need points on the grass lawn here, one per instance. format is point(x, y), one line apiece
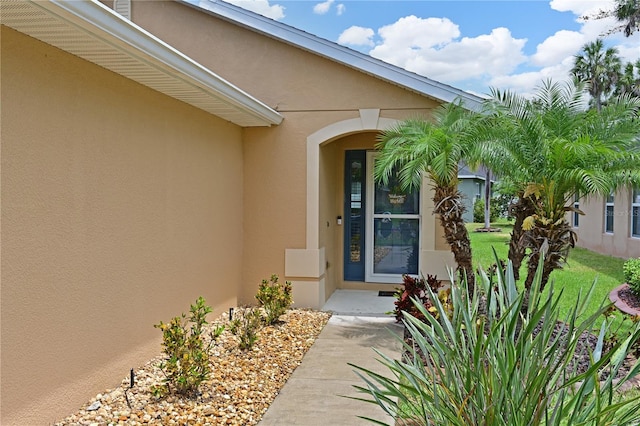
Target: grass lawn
point(582, 268)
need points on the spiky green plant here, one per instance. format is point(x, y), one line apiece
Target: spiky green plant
point(494, 363)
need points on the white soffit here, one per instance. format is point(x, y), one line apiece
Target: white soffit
point(92, 31)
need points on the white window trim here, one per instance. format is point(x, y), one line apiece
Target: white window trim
point(575, 215)
point(608, 204)
point(635, 208)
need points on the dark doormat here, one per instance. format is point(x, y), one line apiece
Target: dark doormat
point(386, 293)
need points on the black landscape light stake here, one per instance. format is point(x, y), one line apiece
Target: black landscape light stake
point(230, 314)
point(132, 379)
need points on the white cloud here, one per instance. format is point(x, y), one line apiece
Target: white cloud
point(418, 33)
point(262, 7)
point(434, 47)
point(527, 82)
point(322, 8)
point(581, 7)
point(595, 28)
point(431, 47)
point(629, 51)
point(356, 36)
point(586, 12)
point(557, 47)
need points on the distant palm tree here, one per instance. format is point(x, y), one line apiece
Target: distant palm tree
point(628, 11)
point(629, 82)
point(418, 147)
point(599, 68)
point(553, 149)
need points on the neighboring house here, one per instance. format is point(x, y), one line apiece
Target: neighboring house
point(183, 153)
point(610, 225)
point(471, 185)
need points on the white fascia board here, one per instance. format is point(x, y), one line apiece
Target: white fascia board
point(471, 177)
point(90, 14)
point(482, 178)
point(338, 53)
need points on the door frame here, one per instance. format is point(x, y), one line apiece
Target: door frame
point(354, 271)
point(370, 216)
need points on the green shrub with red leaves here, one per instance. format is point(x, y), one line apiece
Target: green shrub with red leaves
point(415, 288)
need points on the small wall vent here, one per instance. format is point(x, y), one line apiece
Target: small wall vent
point(123, 7)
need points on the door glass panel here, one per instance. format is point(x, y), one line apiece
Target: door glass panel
point(393, 230)
point(395, 246)
point(391, 199)
point(355, 210)
point(355, 237)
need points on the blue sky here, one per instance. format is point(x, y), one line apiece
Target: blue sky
point(473, 45)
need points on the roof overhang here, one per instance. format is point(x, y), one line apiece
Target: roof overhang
point(335, 52)
point(92, 31)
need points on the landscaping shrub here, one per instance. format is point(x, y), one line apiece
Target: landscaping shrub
point(631, 269)
point(274, 297)
point(187, 351)
point(245, 326)
point(494, 363)
point(478, 211)
point(415, 289)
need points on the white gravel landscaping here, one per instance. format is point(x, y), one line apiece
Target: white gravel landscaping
point(241, 387)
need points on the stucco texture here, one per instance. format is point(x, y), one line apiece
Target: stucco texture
point(591, 234)
point(120, 206)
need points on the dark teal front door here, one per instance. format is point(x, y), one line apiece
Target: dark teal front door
point(355, 214)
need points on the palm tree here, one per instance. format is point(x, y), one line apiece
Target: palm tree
point(552, 149)
point(493, 136)
point(599, 68)
point(628, 11)
point(629, 80)
point(418, 147)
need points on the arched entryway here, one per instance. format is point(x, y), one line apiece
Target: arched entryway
point(317, 270)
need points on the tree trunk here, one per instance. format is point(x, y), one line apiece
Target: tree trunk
point(520, 210)
point(449, 207)
point(487, 200)
point(552, 241)
point(532, 267)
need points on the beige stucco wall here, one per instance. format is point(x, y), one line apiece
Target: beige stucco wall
point(591, 233)
point(312, 93)
point(120, 206)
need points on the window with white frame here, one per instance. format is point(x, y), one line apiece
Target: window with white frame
point(608, 214)
point(576, 208)
point(635, 212)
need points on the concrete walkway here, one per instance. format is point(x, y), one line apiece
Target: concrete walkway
point(313, 394)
